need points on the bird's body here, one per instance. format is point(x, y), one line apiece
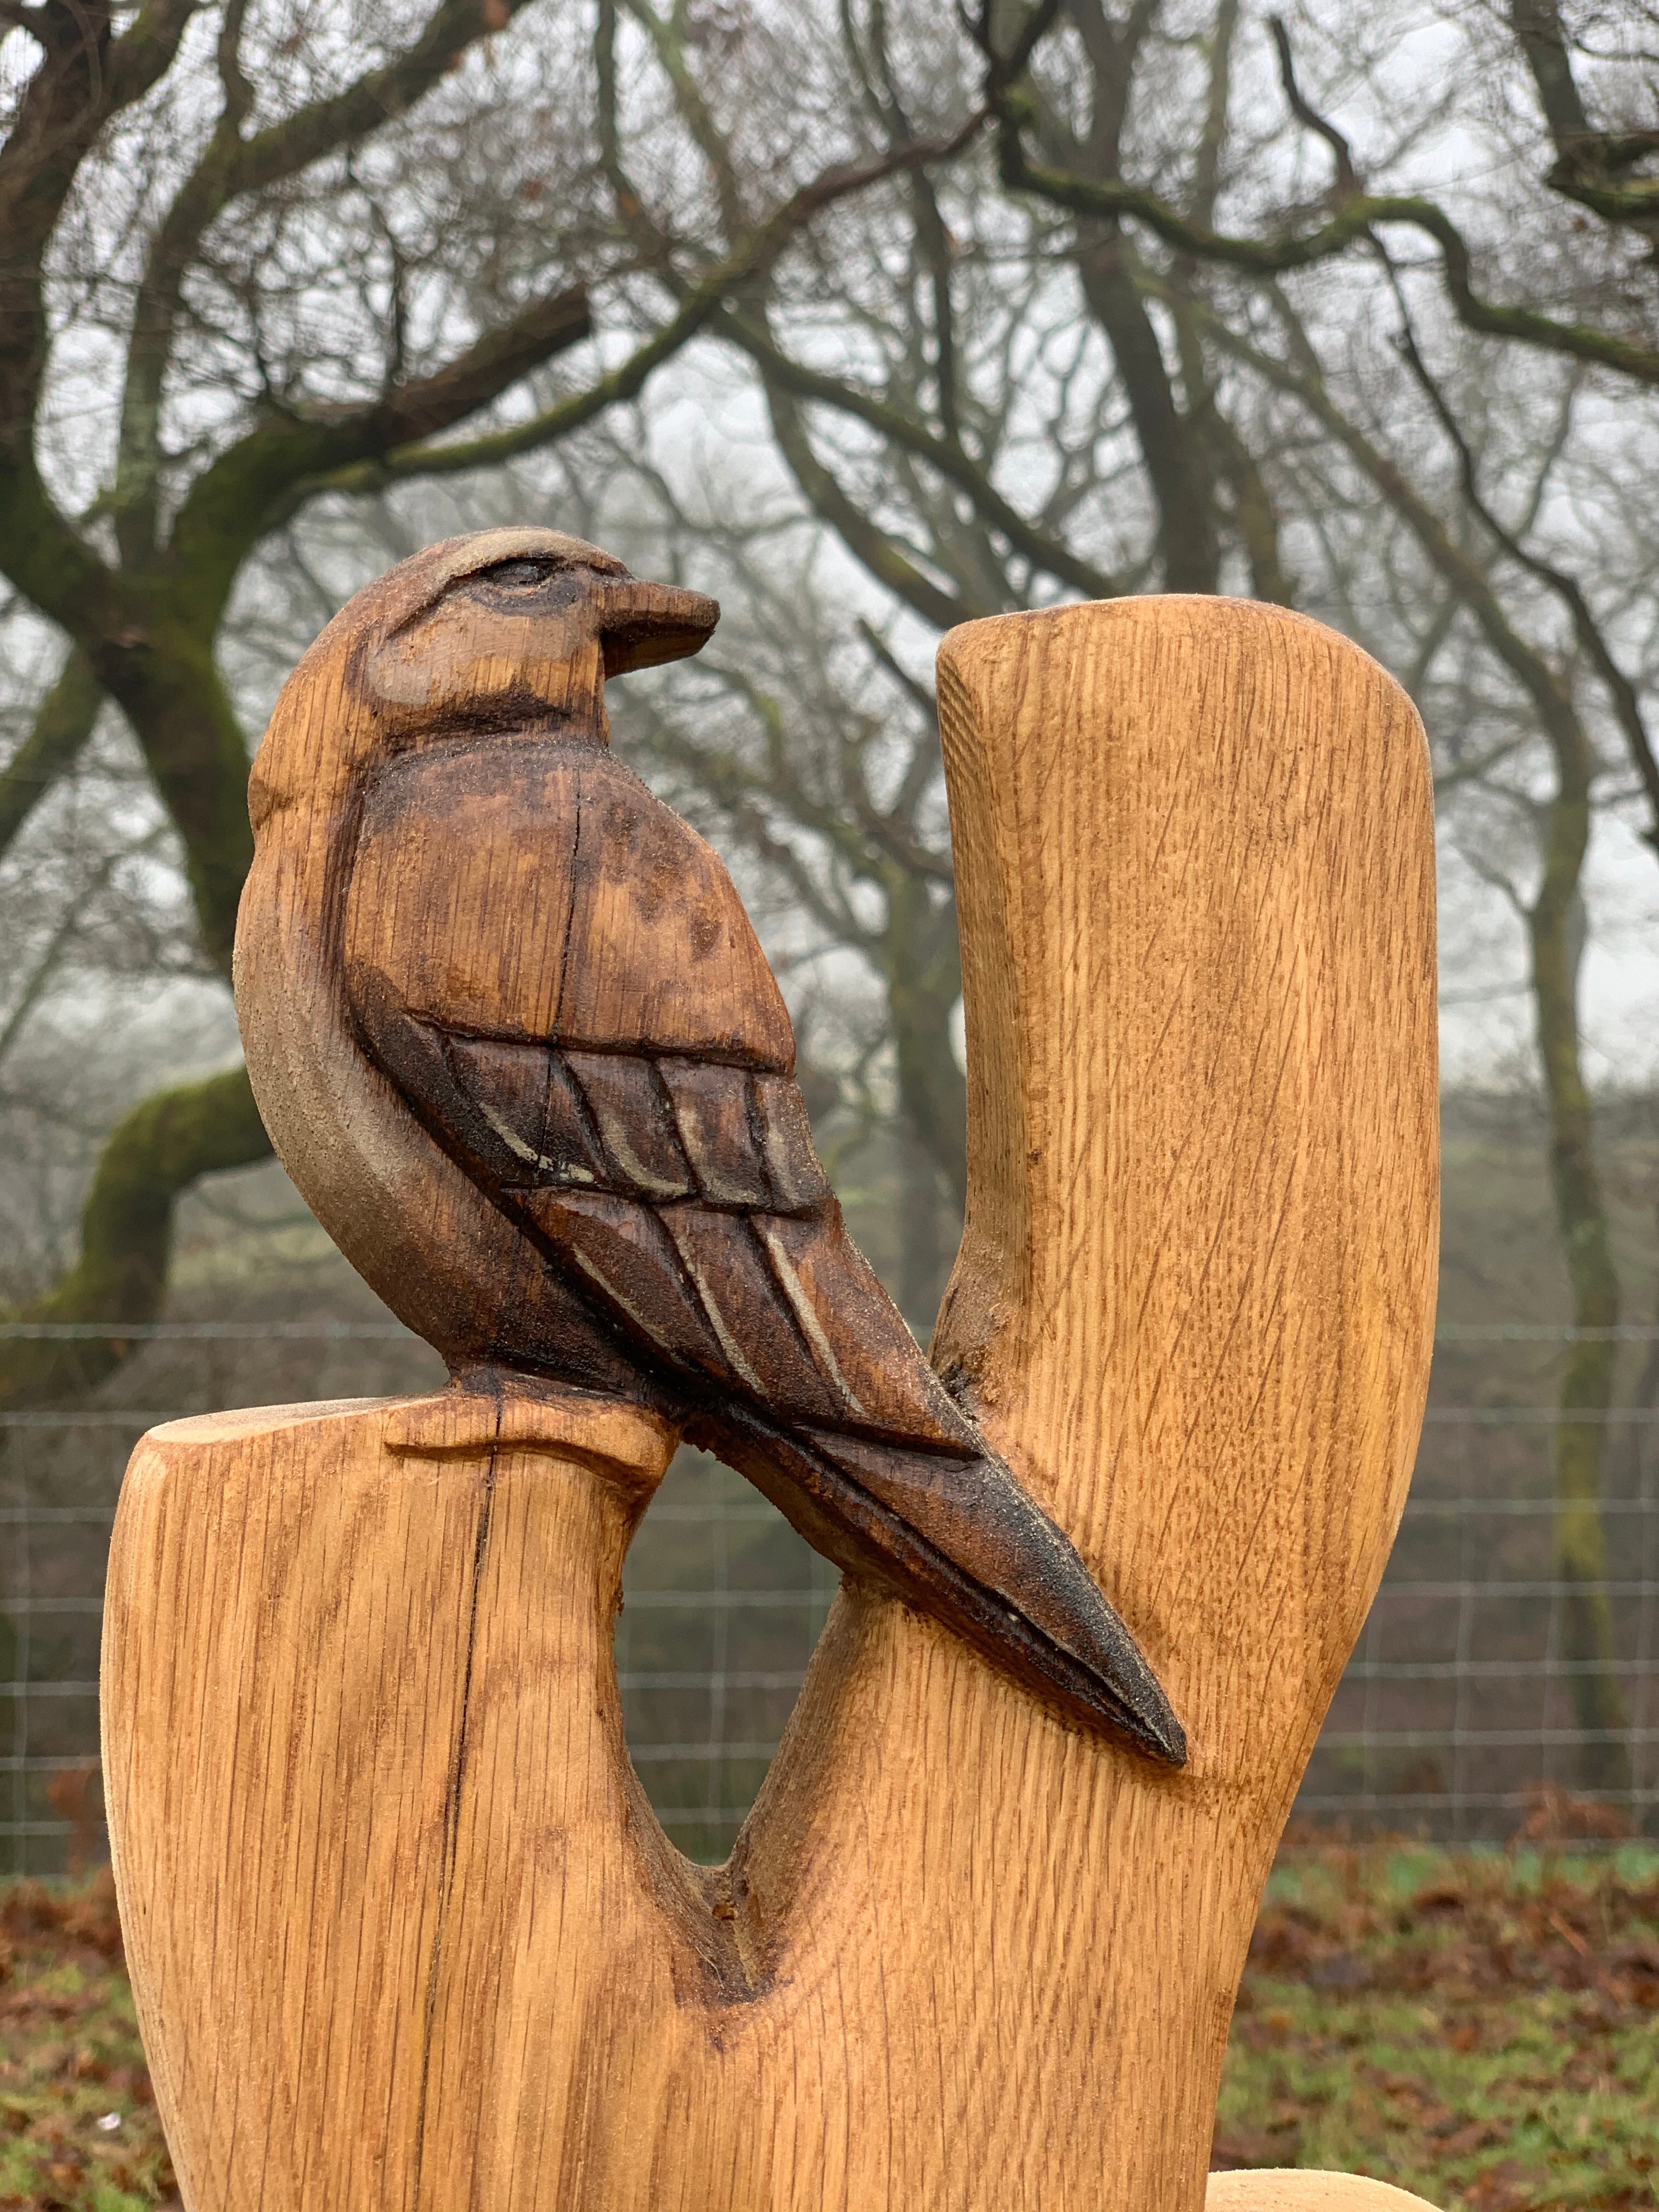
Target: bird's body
point(555, 976)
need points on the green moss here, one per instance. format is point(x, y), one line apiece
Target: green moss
point(155, 1151)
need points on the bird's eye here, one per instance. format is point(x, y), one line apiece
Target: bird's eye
point(516, 575)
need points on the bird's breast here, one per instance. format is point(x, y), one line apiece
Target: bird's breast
point(532, 889)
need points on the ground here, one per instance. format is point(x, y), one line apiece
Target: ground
point(1481, 2029)
point(77, 2121)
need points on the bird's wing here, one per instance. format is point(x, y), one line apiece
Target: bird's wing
point(682, 1199)
point(685, 1197)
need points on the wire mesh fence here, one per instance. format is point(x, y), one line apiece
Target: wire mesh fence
point(1465, 1703)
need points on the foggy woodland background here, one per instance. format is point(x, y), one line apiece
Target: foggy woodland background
point(868, 318)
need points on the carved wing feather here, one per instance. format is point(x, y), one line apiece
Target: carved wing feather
point(685, 1198)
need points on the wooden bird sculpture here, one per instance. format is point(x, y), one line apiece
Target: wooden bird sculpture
point(404, 1933)
point(568, 1147)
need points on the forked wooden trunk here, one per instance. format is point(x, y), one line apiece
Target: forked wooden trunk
point(404, 1931)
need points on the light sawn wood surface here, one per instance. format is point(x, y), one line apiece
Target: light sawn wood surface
point(1282, 2189)
point(403, 1930)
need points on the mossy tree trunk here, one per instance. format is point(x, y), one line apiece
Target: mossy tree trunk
point(64, 724)
point(153, 1154)
point(1588, 1644)
point(921, 963)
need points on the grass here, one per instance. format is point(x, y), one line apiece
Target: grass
point(70, 2060)
point(1482, 2029)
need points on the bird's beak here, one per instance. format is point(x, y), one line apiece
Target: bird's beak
point(642, 624)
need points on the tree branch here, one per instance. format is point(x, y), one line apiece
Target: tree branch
point(85, 76)
point(1588, 161)
point(1626, 705)
point(1348, 180)
point(700, 302)
point(265, 477)
point(63, 721)
point(1111, 198)
point(1007, 68)
point(1045, 552)
point(887, 560)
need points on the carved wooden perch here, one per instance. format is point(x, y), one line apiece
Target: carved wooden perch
point(404, 1931)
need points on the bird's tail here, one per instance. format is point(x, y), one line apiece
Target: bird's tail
point(957, 1537)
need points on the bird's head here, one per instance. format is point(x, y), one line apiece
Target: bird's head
point(508, 630)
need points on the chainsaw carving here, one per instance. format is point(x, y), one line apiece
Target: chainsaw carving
point(404, 1933)
point(505, 967)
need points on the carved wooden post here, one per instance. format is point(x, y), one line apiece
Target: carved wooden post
point(403, 1930)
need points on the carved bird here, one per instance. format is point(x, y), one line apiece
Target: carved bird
point(514, 1037)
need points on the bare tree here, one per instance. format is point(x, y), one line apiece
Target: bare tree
point(286, 260)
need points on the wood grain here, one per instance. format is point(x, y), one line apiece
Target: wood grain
point(404, 1932)
point(1281, 2189)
